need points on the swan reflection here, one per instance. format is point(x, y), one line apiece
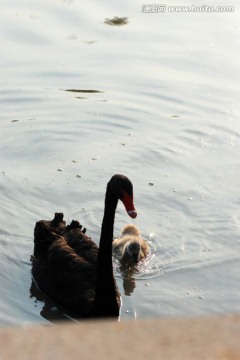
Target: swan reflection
point(129, 282)
point(50, 310)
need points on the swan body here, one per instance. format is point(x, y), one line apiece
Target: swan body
point(70, 268)
point(130, 247)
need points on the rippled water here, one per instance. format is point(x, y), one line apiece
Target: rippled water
point(155, 96)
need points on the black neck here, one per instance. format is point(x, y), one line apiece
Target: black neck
point(106, 301)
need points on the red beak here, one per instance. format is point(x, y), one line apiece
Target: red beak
point(129, 206)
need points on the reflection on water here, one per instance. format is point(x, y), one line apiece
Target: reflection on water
point(116, 21)
point(130, 275)
point(50, 310)
point(84, 91)
point(129, 282)
point(127, 274)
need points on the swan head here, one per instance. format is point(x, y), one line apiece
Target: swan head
point(122, 187)
point(133, 250)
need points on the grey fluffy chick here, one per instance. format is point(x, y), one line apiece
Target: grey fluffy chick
point(130, 247)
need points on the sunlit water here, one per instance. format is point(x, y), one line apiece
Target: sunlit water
point(155, 98)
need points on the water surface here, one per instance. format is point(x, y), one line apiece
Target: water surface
point(155, 96)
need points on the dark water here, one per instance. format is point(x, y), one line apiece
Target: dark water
point(155, 96)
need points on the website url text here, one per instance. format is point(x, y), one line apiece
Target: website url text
point(162, 8)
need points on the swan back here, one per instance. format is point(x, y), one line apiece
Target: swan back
point(65, 263)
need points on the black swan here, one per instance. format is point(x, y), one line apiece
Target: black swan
point(130, 247)
point(68, 266)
